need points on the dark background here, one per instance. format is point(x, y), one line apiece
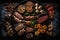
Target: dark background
point(57, 16)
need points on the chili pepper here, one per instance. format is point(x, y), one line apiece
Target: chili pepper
point(51, 10)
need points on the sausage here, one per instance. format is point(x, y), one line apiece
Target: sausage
point(30, 17)
point(28, 29)
point(42, 19)
point(17, 19)
point(19, 27)
point(18, 15)
point(21, 32)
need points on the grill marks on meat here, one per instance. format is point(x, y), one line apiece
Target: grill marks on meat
point(42, 19)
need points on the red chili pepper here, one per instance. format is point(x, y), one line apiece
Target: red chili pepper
point(47, 6)
point(50, 9)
